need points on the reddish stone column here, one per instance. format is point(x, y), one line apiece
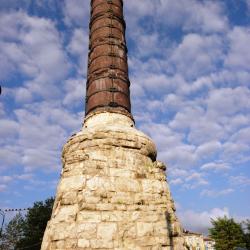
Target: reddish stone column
point(108, 81)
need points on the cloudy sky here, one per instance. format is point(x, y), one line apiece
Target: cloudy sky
point(190, 84)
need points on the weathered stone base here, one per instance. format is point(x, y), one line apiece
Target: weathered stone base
point(112, 194)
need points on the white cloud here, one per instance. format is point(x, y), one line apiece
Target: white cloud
point(22, 95)
point(3, 187)
point(8, 128)
point(2, 111)
point(236, 153)
point(239, 180)
point(9, 155)
point(194, 15)
point(242, 136)
point(177, 181)
point(75, 91)
point(5, 179)
point(187, 179)
point(40, 131)
point(33, 47)
point(191, 15)
point(195, 180)
point(76, 12)
point(216, 193)
point(201, 221)
point(238, 56)
point(248, 4)
point(208, 149)
point(200, 53)
point(213, 166)
point(228, 101)
point(78, 47)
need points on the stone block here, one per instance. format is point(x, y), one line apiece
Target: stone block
point(126, 230)
point(104, 207)
point(69, 198)
point(106, 230)
point(101, 244)
point(100, 183)
point(144, 229)
point(126, 198)
point(114, 216)
point(89, 216)
point(83, 243)
point(120, 172)
point(86, 230)
point(92, 199)
point(66, 213)
point(127, 185)
point(62, 231)
point(70, 244)
point(152, 186)
point(146, 241)
point(71, 183)
point(59, 244)
point(161, 228)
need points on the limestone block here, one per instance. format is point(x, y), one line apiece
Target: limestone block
point(144, 198)
point(114, 216)
point(152, 186)
point(89, 216)
point(161, 228)
point(148, 216)
point(101, 244)
point(100, 183)
point(126, 230)
point(126, 198)
point(70, 244)
point(127, 185)
point(144, 229)
point(69, 198)
point(120, 207)
point(87, 206)
point(106, 230)
point(146, 241)
point(72, 183)
point(66, 213)
point(83, 243)
point(62, 231)
point(87, 230)
point(104, 207)
point(120, 172)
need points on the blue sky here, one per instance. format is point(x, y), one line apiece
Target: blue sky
point(190, 77)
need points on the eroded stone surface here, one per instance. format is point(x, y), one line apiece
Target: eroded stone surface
point(112, 193)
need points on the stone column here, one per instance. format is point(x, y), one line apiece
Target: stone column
point(112, 193)
point(108, 81)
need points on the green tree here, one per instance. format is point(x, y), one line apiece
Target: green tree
point(12, 233)
point(34, 225)
point(227, 234)
point(246, 226)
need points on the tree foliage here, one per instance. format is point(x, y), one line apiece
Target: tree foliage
point(246, 227)
point(26, 232)
point(12, 233)
point(227, 234)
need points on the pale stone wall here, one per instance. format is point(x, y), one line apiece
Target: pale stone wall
point(194, 241)
point(112, 193)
